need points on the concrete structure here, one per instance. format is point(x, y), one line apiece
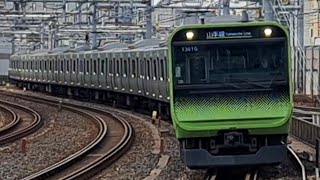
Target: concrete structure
point(311, 23)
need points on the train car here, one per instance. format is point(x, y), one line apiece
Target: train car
point(231, 94)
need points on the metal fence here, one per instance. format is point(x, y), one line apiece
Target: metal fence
point(3, 79)
point(306, 131)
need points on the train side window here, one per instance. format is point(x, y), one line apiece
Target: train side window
point(81, 66)
point(165, 75)
point(102, 66)
point(77, 65)
point(94, 66)
point(98, 66)
point(40, 65)
point(142, 67)
point(88, 66)
point(134, 68)
point(118, 68)
point(155, 65)
point(110, 66)
point(31, 65)
point(45, 65)
point(125, 68)
point(148, 69)
point(73, 66)
point(61, 65)
point(68, 66)
point(161, 70)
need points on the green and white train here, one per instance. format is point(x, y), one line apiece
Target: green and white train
point(228, 87)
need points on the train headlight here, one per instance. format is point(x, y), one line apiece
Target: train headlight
point(190, 35)
point(268, 32)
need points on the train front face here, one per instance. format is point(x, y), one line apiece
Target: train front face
point(231, 93)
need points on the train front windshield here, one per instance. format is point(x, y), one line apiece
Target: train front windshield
point(231, 65)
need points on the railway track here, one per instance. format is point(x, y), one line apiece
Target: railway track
point(104, 150)
point(14, 119)
point(18, 130)
point(234, 174)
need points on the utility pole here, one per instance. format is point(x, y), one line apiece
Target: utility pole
point(56, 38)
point(268, 11)
point(64, 6)
point(79, 14)
point(41, 35)
point(148, 14)
point(94, 26)
point(301, 24)
point(226, 7)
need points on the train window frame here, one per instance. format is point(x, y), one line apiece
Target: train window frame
point(102, 66)
point(111, 66)
point(98, 66)
point(125, 68)
point(162, 73)
point(73, 66)
point(81, 66)
point(165, 76)
point(117, 67)
point(142, 68)
point(94, 66)
point(67, 65)
point(155, 68)
point(148, 69)
point(87, 66)
point(134, 67)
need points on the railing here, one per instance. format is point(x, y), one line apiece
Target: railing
point(305, 131)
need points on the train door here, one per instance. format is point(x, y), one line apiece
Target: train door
point(155, 91)
point(103, 77)
point(87, 68)
point(118, 72)
point(95, 70)
point(68, 63)
point(141, 66)
point(41, 69)
point(45, 69)
point(74, 70)
point(82, 72)
point(148, 74)
point(112, 72)
point(133, 74)
point(50, 71)
point(56, 70)
point(162, 80)
point(125, 72)
point(61, 69)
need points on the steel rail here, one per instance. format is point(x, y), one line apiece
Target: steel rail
point(35, 125)
point(75, 156)
point(297, 163)
point(15, 120)
point(106, 159)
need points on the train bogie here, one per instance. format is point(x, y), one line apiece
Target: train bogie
point(74, 69)
point(133, 60)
